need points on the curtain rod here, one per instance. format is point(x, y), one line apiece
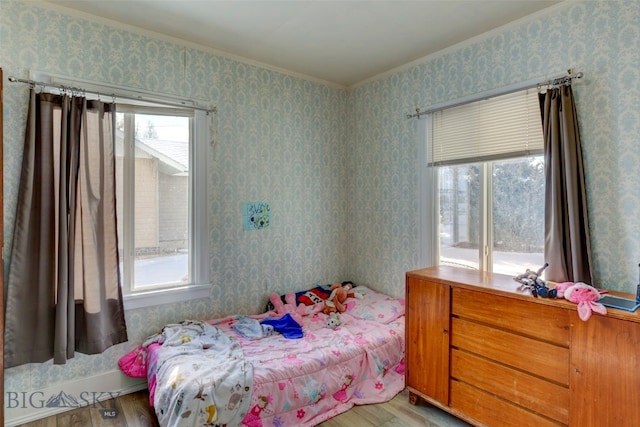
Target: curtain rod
point(561, 80)
point(73, 89)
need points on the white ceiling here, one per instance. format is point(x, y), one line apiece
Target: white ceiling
point(341, 42)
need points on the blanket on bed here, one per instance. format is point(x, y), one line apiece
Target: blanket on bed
point(301, 383)
point(202, 377)
point(279, 382)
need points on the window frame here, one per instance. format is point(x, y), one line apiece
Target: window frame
point(199, 155)
point(199, 286)
point(428, 186)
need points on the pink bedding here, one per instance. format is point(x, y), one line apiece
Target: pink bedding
point(303, 382)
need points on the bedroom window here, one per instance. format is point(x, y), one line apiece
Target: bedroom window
point(485, 183)
point(161, 200)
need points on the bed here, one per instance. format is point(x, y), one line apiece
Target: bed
point(208, 374)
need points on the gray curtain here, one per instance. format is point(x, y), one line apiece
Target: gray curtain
point(567, 241)
point(63, 292)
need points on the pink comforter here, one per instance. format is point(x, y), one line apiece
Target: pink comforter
point(303, 382)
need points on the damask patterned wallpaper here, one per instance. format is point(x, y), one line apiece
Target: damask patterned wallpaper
point(601, 39)
point(280, 139)
point(337, 166)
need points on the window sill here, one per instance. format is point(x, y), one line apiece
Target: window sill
point(165, 296)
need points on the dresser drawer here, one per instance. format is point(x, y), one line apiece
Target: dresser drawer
point(536, 320)
point(530, 355)
point(491, 410)
point(536, 394)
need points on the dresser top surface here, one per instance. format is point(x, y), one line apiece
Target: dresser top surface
point(505, 285)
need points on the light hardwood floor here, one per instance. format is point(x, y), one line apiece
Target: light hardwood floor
point(133, 410)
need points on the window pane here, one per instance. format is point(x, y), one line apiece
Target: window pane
point(459, 197)
point(518, 215)
point(159, 200)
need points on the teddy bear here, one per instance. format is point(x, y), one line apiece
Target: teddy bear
point(335, 302)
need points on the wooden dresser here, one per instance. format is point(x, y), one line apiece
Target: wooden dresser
point(491, 354)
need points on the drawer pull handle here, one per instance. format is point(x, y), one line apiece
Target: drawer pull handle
point(444, 331)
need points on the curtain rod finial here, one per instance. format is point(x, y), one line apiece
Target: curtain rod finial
point(417, 114)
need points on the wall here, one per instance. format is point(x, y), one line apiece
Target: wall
point(338, 167)
point(278, 138)
point(601, 39)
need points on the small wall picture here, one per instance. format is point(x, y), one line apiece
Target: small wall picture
point(256, 215)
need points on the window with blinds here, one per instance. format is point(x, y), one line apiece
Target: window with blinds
point(485, 169)
point(502, 127)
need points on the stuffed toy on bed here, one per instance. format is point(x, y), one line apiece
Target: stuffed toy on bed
point(289, 306)
point(335, 302)
point(333, 321)
point(339, 294)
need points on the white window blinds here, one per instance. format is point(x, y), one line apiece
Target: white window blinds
point(501, 127)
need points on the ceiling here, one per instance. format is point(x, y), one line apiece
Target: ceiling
point(340, 42)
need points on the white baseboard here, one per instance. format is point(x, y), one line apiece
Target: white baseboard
point(26, 406)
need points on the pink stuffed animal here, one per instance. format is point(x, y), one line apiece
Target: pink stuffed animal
point(289, 306)
point(586, 296)
point(561, 288)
